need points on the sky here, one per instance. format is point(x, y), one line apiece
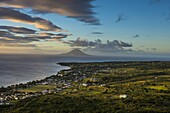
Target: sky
point(104, 27)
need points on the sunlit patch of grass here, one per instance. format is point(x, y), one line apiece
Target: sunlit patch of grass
point(37, 88)
point(158, 87)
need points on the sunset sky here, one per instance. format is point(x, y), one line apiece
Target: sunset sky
point(106, 27)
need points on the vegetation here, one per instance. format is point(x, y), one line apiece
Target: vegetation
point(37, 88)
point(145, 85)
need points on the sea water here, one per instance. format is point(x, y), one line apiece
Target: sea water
point(16, 69)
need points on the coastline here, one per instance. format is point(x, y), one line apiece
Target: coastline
point(17, 78)
point(11, 94)
point(62, 67)
point(66, 66)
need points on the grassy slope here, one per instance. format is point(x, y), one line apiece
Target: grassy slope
point(37, 88)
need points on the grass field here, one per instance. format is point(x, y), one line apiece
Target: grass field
point(158, 87)
point(37, 88)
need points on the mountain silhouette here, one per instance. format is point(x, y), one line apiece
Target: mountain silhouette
point(75, 53)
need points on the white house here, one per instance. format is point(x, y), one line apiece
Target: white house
point(84, 84)
point(123, 96)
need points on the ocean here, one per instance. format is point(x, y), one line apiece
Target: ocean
point(16, 69)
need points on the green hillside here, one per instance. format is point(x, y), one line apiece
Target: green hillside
point(115, 87)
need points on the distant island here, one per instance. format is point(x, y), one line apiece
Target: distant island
point(75, 53)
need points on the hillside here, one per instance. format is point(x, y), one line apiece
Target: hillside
point(120, 87)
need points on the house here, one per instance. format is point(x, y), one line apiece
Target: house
point(93, 80)
point(103, 85)
point(59, 89)
point(60, 75)
point(44, 91)
point(84, 84)
point(123, 96)
point(44, 83)
point(1, 101)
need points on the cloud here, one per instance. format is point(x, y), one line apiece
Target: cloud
point(78, 42)
point(136, 36)
point(4, 33)
point(17, 45)
point(59, 36)
point(16, 16)
point(124, 44)
point(78, 9)
point(97, 33)
point(88, 20)
point(8, 37)
point(120, 18)
point(115, 44)
point(49, 36)
point(154, 49)
point(99, 47)
point(20, 30)
point(151, 2)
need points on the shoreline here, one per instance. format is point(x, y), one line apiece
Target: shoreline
point(39, 79)
point(65, 66)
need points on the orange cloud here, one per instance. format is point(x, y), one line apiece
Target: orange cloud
point(78, 9)
point(16, 16)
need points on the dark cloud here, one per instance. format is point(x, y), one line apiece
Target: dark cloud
point(151, 2)
point(78, 42)
point(59, 36)
point(48, 36)
point(16, 16)
point(20, 30)
point(124, 44)
point(8, 37)
point(18, 40)
point(11, 38)
point(88, 20)
point(98, 47)
point(115, 44)
point(120, 18)
point(78, 9)
point(4, 33)
point(97, 33)
point(154, 49)
point(136, 36)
